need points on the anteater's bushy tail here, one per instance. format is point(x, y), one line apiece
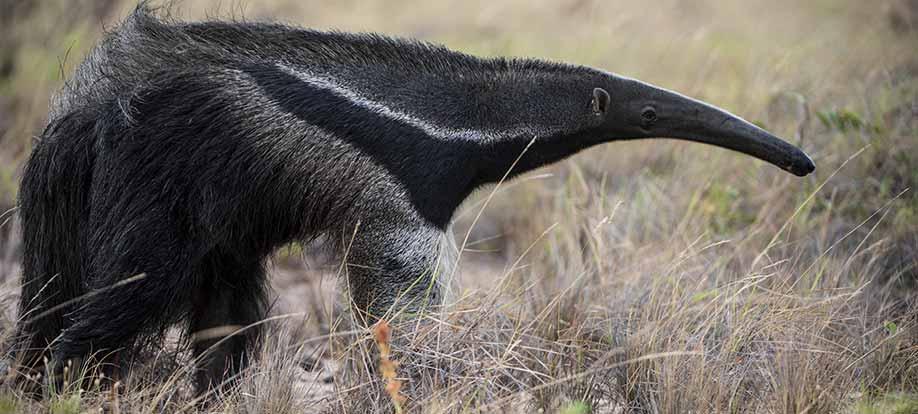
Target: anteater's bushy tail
point(54, 206)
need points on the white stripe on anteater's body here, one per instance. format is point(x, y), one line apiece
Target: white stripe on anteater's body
point(432, 128)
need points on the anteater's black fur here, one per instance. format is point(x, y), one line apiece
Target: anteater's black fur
point(181, 152)
point(188, 152)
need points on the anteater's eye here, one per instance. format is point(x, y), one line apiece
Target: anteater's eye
point(649, 115)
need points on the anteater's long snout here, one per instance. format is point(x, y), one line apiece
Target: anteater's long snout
point(718, 127)
point(672, 115)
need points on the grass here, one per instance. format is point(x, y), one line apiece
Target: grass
point(656, 276)
point(891, 404)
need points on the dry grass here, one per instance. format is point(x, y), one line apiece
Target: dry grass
point(641, 277)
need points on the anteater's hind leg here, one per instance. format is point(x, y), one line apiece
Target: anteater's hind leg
point(229, 301)
point(141, 285)
point(393, 268)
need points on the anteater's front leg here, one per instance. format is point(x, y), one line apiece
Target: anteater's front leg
point(393, 267)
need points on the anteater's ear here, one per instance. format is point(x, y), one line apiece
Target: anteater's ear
point(600, 102)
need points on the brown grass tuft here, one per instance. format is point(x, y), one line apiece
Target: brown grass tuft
point(387, 368)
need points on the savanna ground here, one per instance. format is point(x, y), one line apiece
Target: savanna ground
point(654, 276)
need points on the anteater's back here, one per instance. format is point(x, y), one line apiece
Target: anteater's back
point(145, 45)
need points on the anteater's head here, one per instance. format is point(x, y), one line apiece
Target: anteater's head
point(624, 108)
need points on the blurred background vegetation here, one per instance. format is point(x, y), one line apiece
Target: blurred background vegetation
point(837, 77)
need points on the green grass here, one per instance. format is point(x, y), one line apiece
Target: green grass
point(890, 404)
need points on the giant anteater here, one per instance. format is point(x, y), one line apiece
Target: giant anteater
point(180, 155)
